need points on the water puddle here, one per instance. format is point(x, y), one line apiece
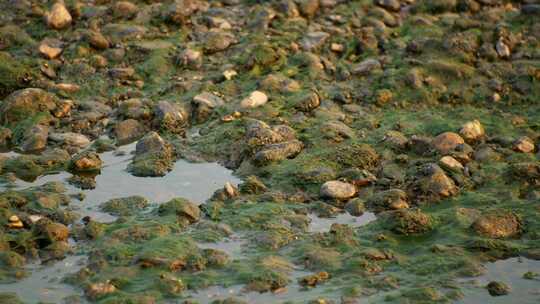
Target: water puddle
point(232, 246)
point(194, 181)
point(323, 224)
point(45, 283)
point(510, 272)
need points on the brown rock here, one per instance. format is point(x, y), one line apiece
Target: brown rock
point(498, 225)
point(472, 131)
point(338, 190)
point(58, 18)
point(49, 52)
point(447, 142)
point(524, 145)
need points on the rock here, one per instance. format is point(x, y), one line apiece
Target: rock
point(86, 161)
point(26, 103)
point(124, 206)
point(278, 152)
point(436, 183)
point(70, 139)
point(338, 190)
point(392, 199)
point(308, 102)
point(524, 145)
point(496, 288)
point(182, 208)
point(125, 9)
point(217, 41)
point(170, 117)
point(35, 139)
point(97, 40)
point(502, 49)
point(153, 156)
point(313, 40)
point(49, 52)
point(180, 10)
point(204, 104)
point(366, 67)
point(314, 279)
point(254, 100)
point(95, 291)
point(530, 9)
point(5, 137)
point(337, 131)
point(391, 5)
point(355, 207)
point(190, 59)
point(396, 139)
point(122, 73)
point(58, 18)
point(472, 131)
point(450, 163)
point(51, 231)
point(446, 142)
point(498, 225)
point(407, 222)
point(128, 131)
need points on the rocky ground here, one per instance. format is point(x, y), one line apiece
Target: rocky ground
point(424, 112)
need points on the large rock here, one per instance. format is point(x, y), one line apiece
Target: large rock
point(87, 161)
point(524, 145)
point(338, 190)
point(392, 199)
point(128, 131)
point(254, 100)
point(70, 139)
point(59, 17)
point(170, 117)
point(26, 103)
point(498, 225)
point(278, 152)
point(472, 131)
point(436, 184)
point(204, 104)
point(154, 156)
point(35, 139)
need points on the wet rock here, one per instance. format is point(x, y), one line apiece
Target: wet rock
point(125, 206)
point(51, 231)
point(154, 156)
point(355, 207)
point(83, 182)
point(392, 199)
point(59, 17)
point(278, 152)
point(498, 225)
point(472, 131)
point(86, 161)
point(524, 145)
point(124, 9)
point(254, 100)
point(446, 142)
point(35, 139)
point(70, 139)
point(26, 103)
point(182, 208)
point(128, 131)
point(496, 288)
point(366, 67)
point(407, 222)
point(338, 190)
point(170, 117)
point(97, 40)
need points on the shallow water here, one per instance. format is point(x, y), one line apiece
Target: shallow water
point(508, 271)
point(45, 282)
point(194, 181)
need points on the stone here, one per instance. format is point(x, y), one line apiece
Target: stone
point(35, 139)
point(496, 288)
point(217, 41)
point(436, 183)
point(204, 104)
point(472, 131)
point(122, 73)
point(392, 199)
point(391, 5)
point(498, 225)
point(70, 139)
point(25, 103)
point(125, 9)
point(355, 207)
point(49, 52)
point(524, 145)
point(59, 17)
point(254, 100)
point(154, 156)
point(180, 10)
point(409, 222)
point(447, 142)
point(182, 208)
point(86, 161)
point(51, 231)
point(313, 40)
point(450, 163)
point(366, 67)
point(337, 190)
point(278, 152)
point(128, 131)
point(308, 102)
point(170, 117)
point(97, 40)
point(502, 49)
point(96, 291)
point(191, 59)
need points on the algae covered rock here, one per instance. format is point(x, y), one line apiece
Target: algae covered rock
point(26, 103)
point(182, 208)
point(124, 206)
point(154, 156)
point(338, 190)
point(87, 161)
point(391, 199)
point(409, 222)
point(498, 225)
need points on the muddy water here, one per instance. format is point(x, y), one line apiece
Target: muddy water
point(510, 272)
